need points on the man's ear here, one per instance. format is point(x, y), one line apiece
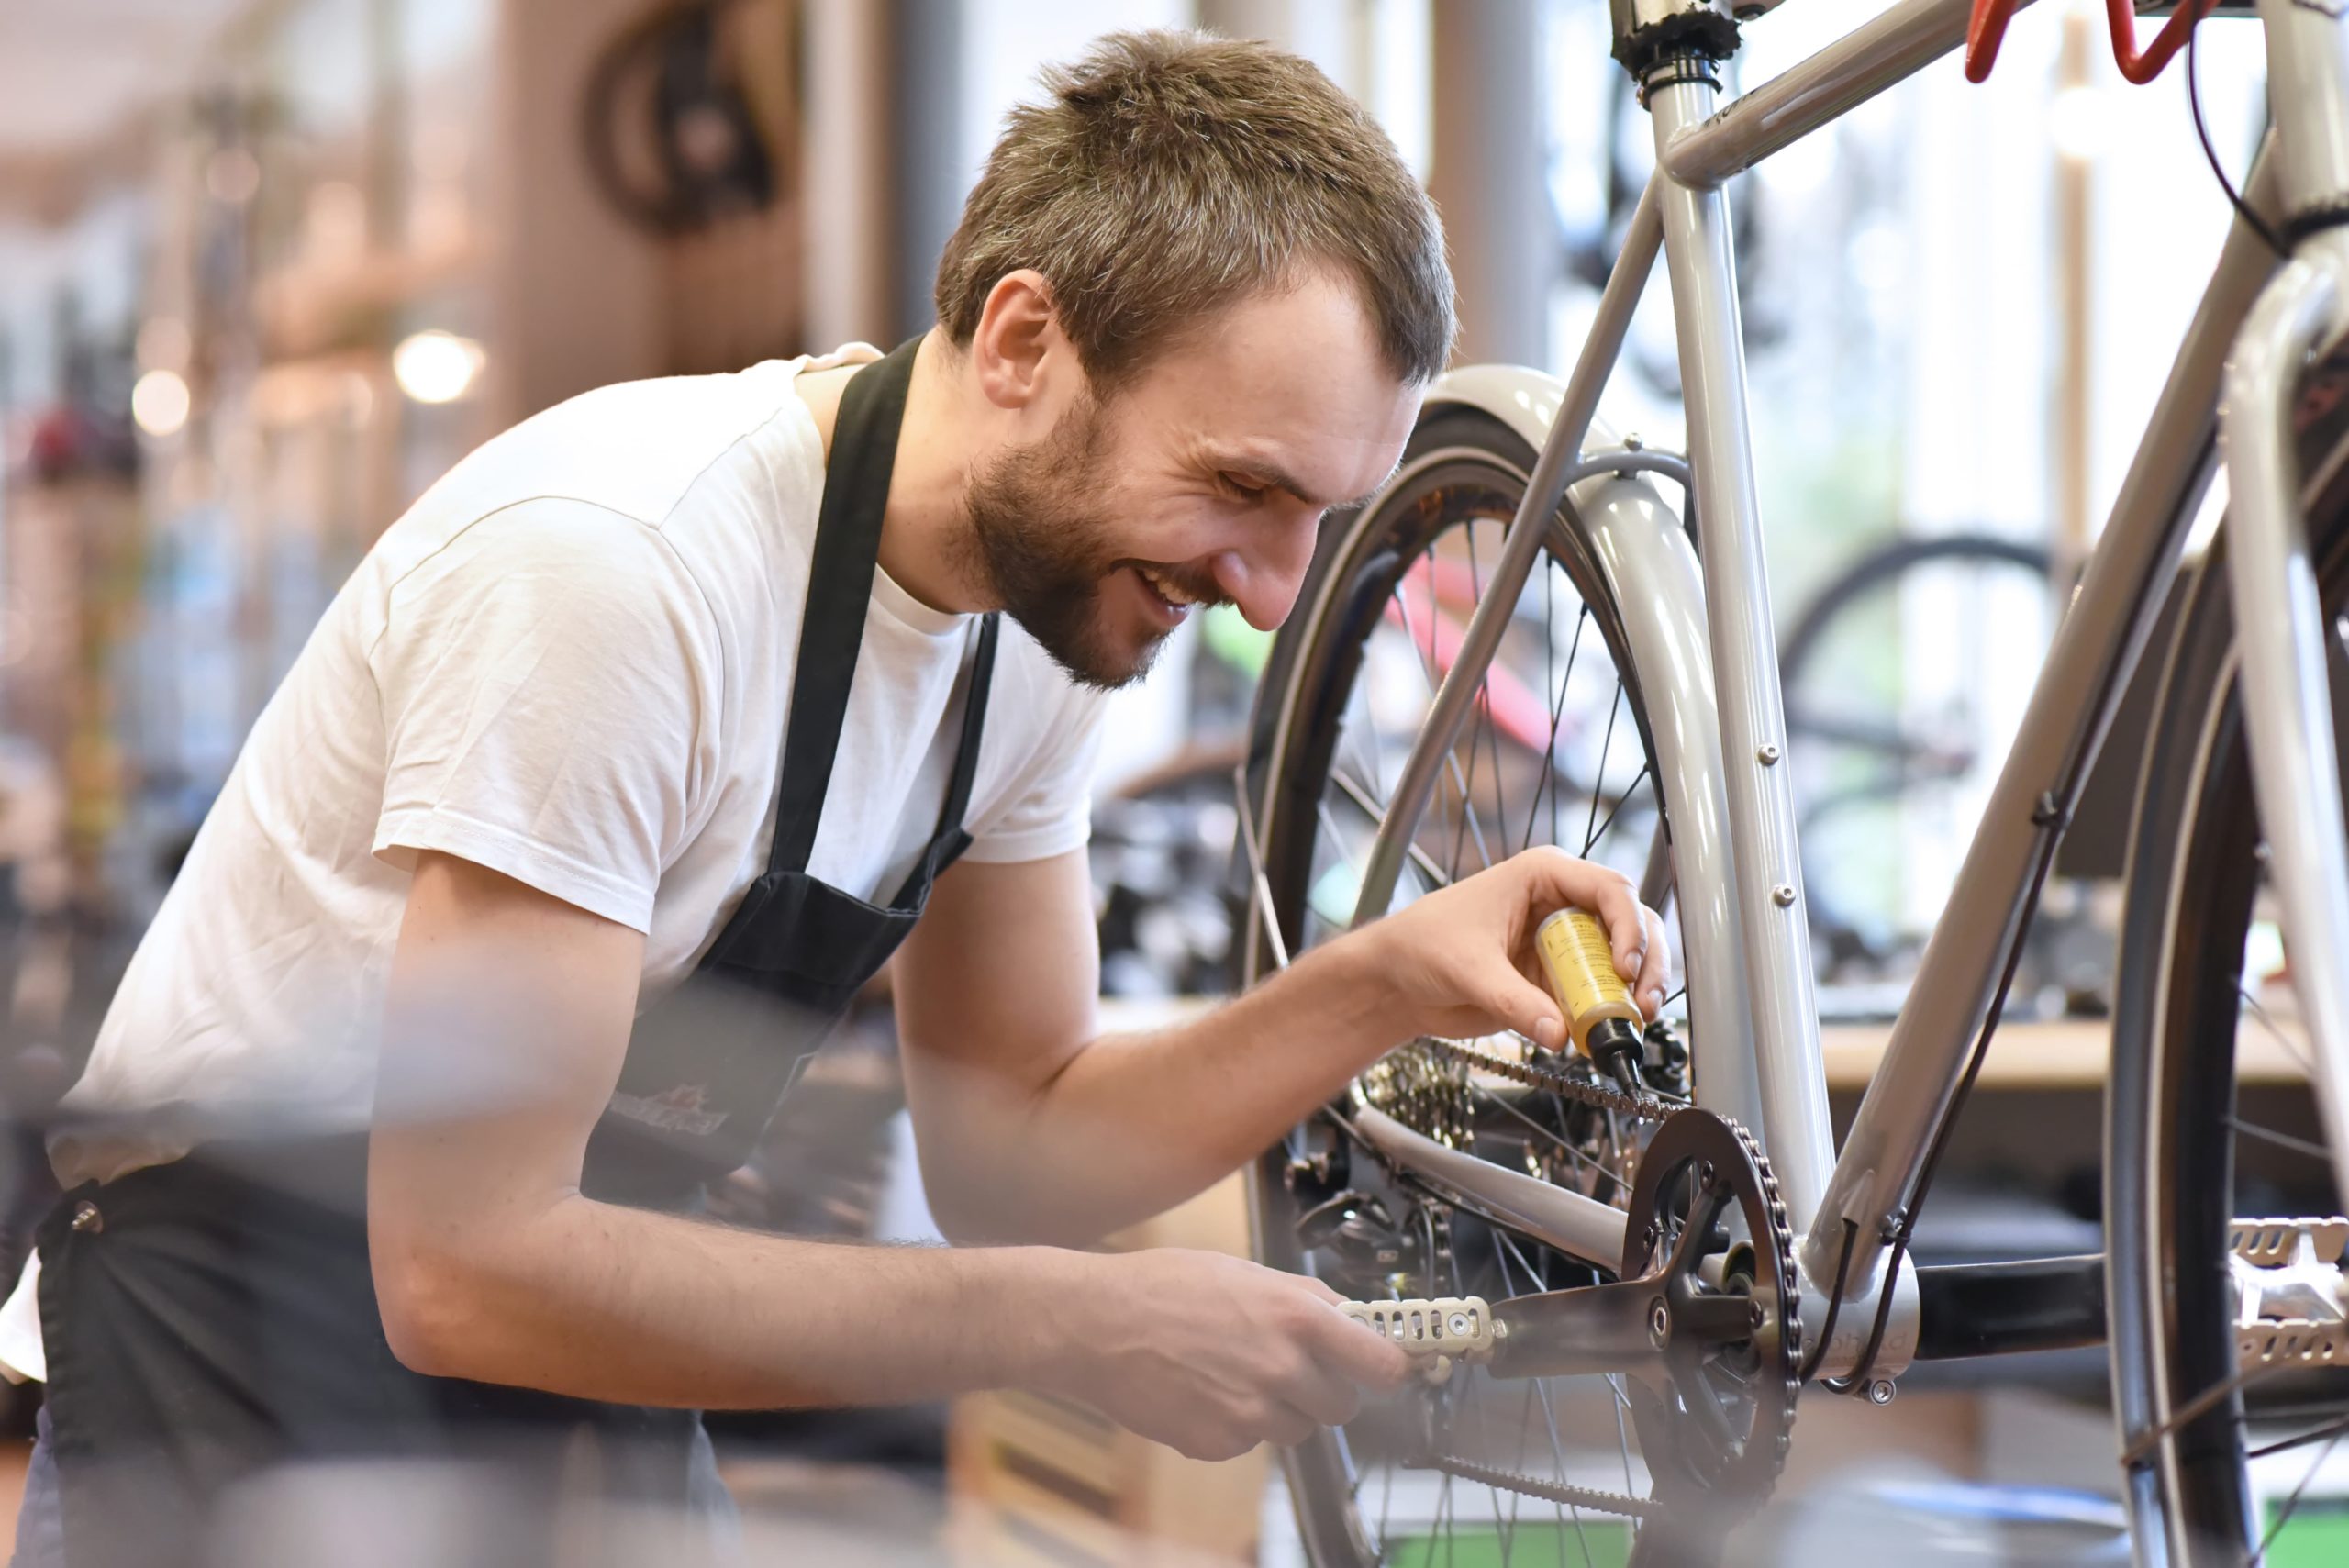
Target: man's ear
point(1018, 344)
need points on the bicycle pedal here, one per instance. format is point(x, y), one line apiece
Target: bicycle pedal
point(2301, 1342)
point(2267, 1243)
point(1435, 1332)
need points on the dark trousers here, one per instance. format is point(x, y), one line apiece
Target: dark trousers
point(219, 1381)
point(40, 1517)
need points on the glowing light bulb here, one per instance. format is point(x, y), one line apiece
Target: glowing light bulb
point(159, 401)
point(438, 367)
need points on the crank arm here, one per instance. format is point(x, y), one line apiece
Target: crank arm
point(1581, 1332)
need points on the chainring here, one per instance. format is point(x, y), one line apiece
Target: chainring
point(1699, 1167)
point(1701, 1465)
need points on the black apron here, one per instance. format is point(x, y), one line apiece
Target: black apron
point(214, 1316)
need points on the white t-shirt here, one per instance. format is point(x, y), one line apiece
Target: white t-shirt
point(570, 662)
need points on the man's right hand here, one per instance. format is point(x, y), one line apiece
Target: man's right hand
point(1212, 1355)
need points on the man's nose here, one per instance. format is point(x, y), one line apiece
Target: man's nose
point(1264, 581)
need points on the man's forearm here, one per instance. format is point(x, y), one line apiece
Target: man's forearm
point(1135, 1124)
point(605, 1303)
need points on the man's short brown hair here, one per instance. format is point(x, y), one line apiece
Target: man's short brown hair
point(1167, 174)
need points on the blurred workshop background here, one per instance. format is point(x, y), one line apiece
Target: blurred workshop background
point(268, 269)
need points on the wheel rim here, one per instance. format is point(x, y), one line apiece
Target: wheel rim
point(2226, 1484)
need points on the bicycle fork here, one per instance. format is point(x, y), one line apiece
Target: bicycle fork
point(2279, 623)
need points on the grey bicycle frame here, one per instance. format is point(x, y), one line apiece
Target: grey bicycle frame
point(1854, 1205)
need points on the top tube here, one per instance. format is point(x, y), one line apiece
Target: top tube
point(1885, 50)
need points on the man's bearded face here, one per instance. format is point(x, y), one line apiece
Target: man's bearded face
point(1039, 520)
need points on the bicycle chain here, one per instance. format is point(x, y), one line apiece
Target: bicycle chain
point(1595, 1500)
point(1654, 1107)
point(1589, 1091)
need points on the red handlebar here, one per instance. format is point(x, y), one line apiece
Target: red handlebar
point(1989, 25)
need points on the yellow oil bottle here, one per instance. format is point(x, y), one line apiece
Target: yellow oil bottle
point(1601, 1014)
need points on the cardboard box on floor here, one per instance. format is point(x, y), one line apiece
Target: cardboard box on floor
point(1036, 1480)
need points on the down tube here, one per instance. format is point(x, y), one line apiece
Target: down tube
point(1766, 869)
point(2096, 647)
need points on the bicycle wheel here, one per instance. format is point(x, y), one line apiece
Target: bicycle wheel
point(1348, 689)
point(1904, 679)
point(2230, 1361)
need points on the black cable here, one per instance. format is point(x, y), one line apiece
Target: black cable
point(2257, 224)
point(1834, 1305)
point(2050, 835)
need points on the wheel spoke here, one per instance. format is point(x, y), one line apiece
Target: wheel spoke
point(1451, 754)
point(1485, 704)
point(2302, 1439)
point(1425, 658)
point(2281, 1140)
point(1557, 702)
point(1557, 714)
point(1370, 807)
point(1614, 1386)
point(2197, 1407)
point(1468, 787)
point(2265, 1021)
point(1563, 1147)
point(1337, 839)
point(1537, 1390)
point(1629, 790)
point(1598, 781)
point(2292, 1503)
point(1365, 752)
point(1492, 1494)
point(1623, 1436)
point(1386, 1505)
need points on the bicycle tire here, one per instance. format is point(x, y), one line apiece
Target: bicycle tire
point(2171, 1109)
point(1308, 682)
point(1842, 937)
point(1886, 561)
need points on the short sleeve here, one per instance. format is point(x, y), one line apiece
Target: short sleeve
point(549, 683)
point(1049, 810)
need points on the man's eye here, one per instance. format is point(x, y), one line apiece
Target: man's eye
point(1240, 491)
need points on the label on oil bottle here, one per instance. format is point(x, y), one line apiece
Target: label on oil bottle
point(1581, 965)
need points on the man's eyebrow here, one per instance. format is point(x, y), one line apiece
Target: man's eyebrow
point(1273, 476)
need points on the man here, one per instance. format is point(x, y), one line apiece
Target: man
point(699, 699)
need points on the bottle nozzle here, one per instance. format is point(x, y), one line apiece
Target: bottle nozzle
point(1615, 1045)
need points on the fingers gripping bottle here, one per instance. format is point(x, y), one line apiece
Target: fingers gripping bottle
point(1601, 1014)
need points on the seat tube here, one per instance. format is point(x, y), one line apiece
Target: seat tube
point(1673, 49)
point(2308, 88)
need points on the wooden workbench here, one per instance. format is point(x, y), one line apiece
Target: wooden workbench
point(2065, 1054)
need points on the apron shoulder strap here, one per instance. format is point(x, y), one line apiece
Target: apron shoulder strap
point(974, 721)
point(840, 589)
point(948, 840)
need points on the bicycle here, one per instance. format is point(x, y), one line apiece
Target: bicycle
point(1625, 1288)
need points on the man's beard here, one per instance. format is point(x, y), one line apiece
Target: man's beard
point(1045, 551)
